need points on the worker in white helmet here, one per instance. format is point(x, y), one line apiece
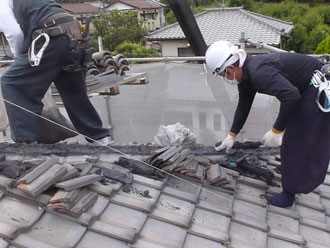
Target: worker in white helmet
point(301, 128)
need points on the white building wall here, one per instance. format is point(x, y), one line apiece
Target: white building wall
point(170, 48)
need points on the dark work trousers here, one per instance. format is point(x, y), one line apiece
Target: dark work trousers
point(25, 86)
point(305, 149)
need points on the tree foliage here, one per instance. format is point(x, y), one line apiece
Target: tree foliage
point(130, 50)
point(324, 46)
point(119, 26)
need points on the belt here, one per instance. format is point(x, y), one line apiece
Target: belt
point(58, 18)
point(58, 24)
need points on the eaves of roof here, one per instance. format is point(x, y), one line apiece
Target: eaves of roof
point(142, 4)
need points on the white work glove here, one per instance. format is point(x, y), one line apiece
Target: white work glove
point(272, 139)
point(227, 143)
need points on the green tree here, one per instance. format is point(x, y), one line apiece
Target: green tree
point(132, 50)
point(323, 47)
point(119, 26)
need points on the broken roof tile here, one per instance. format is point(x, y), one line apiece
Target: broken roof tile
point(72, 172)
point(120, 222)
point(173, 210)
point(64, 196)
point(210, 225)
point(43, 181)
point(38, 171)
point(78, 182)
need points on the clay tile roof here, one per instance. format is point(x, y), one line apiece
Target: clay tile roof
point(227, 24)
point(79, 8)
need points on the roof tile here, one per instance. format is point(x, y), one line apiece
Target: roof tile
point(210, 225)
point(193, 241)
point(173, 210)
point(120, 222)
point(92, 239)
point(51, 231)
point(158, 234)
point(135, 198)
point(16, 216)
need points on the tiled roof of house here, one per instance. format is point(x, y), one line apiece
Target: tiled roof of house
point(228, 24)
point(172, 212)
point(79, 8)
point(140, 4)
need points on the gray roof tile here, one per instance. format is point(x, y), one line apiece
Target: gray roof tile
point(247, 237)
point(120, 222)
point(51, 231)
point(16, 216)
point(275, 243)
point(250, 215)
point(210, 225)
point(284, 228)
point(173, 210)
point(227, 24)
point(158, 234)
point(217, 202)
point(315, 237)
point(90, 239)
point(193, 241)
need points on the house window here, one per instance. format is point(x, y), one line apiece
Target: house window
point(185, 52)
point(149, 16)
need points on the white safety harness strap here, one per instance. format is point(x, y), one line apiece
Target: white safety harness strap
point(320, 81)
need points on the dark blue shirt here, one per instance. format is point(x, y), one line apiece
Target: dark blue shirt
point(283, 75)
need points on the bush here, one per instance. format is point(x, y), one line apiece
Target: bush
point(131, 50)
point(323, 47)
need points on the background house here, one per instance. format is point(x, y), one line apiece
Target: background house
point(150, 11)
point(81, 10)
point(223, 24)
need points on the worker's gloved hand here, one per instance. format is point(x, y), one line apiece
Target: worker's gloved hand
point(272, 138)
point(227, 143)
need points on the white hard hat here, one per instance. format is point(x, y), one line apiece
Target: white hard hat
point(217, 54)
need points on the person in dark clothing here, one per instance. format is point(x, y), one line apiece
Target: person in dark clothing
point(45, 25)
point(301, 128)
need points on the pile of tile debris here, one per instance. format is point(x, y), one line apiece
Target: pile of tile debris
point(74, 186)
point(177, 159)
